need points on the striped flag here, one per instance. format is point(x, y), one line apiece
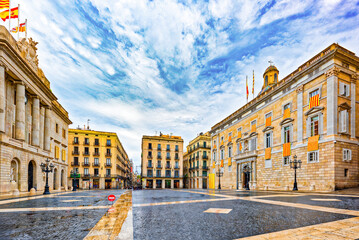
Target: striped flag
point(5, 14)
point(247, 87)
point(253, 85)
point(4, 4)
point(314, 101)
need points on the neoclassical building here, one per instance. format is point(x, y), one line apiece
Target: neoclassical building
point(33, 124)
point(312, 113)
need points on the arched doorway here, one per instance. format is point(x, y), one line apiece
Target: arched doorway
point(54, 186)
point(31, 175)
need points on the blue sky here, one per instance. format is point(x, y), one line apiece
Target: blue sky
point(136, 67)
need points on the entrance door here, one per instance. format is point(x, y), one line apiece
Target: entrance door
point(30, 176)
point(158, 183)
point(168, 184)
point(107, 184)
point(204, 183)
point(246, 180)
point(197, 183)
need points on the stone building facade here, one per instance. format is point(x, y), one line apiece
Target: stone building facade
point(99, 158)
point(312, 114)
point(33, 125)
point(162, 161)
point(197, 160)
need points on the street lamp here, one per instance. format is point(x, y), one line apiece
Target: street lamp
point(73, 174)
point(247, 170)
point(219, 175)
point(295, 164)
point(47, 167)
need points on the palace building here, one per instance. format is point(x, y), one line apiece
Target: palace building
point(33, 124)
point(99, 160)
point(312, 114)
point(197, 161)
point(162, 161)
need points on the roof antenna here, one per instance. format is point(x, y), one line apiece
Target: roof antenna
point(88, 124)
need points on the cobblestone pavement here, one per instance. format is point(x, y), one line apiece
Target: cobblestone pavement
point(71, 222)
point(245, 214)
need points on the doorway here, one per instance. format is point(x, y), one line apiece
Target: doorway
point(168, 184)
point(30, 175)
point(246, 178)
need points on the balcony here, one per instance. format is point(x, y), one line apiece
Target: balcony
point(86, 175)
point(168, 175)
point(205, 157)
point(246, 154)
point(86, 153)
point(159, 157)
point(168, 149)
point(95, 164)
point(197, 167)
point(168, 158)
point(75, 164)
point(149, 166)
point(109, 175)
point(149, 156)
point(86, 143)
point(197, 157)
point(168, 165)
point(108, 144)
point(75, 153)
point(176, 176)
point(205, 167)
point(108, 165)
point(96, 154)
point(151, 175)
point(177, 167)
point(96, 175)
point(108, 154)
point(158, 175)
point(75, 142)
point(159, 166)
point(85, 164)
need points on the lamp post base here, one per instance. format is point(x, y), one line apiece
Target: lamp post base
point(47, 191)
point(295, 188)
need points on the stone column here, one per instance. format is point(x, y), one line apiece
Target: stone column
point(200, 185)
point(354, 78)
point(2, 99)
point(240, 186)
point(36, 122)
point(20, 112)
point(47, 129)
point(154, 184)
point(332, 99)
point(300, 113)
point(254, 172)
point(42, 127)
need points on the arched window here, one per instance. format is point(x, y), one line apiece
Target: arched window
point(266, 81)
point(275, 78)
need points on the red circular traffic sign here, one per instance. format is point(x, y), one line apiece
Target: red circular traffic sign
point(111, 209)
point(111, 198)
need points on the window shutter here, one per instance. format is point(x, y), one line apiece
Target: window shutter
point(350, 155)
point(271, 139)
point(282, 135)
point(341, 89)
point(291, 133)
point(344, 154)
point(264, 140)
point(346, 121)
point(308, 127)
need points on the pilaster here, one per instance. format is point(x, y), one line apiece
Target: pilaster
point(354, 78)
point(2, 98)
point(47, 129)
point(42, 127)
point(332, 100)
point(300, 114)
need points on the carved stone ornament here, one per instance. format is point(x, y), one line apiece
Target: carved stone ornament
point(354, 77)
point(28, 51)
point(334, 71)
point(299, 89)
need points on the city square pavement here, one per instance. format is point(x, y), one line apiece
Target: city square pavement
point(181, 214)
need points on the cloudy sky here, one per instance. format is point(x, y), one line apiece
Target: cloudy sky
point(138, 66)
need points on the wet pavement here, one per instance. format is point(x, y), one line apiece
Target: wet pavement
point(68, 223)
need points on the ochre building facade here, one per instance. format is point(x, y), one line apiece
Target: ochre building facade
point(99, 160)
point(196, 162)
point(162, 161)
point(312, 114)
point(33, 124)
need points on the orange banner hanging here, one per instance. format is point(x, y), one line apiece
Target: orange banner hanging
point(229, 162)
point(314, 101)
point(268, 121)
point(214, 165)
point(268, 152)
point(286, 113)
point(253, 128)
point(239, 134)
point(222, 163)
point(286, 149)
point(313, 144)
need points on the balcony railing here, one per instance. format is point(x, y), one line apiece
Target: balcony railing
point(159, 157)
point(177, 167)
point(86, 143)
point(108, 165)
point(149, 147)
point(168, 158)
point(96, 164)
point(75, 152)
point(205, 168)
point(149, 166)
point(246, 154)
point(86, 175)
point(168, 149)
point(177, 158)
point(158, 175)
point(168, 165)
point(158, 149)
point(96, 175)
point(110, 175)
point(108, 144)
point(149, 156)
point(151, 175)
point(168, 175)
point(86, 153)
point(75, 164)
point(96, 154)
point(108, 154)
point(159, 166)
point(75, 142)
point(205, 157)
point(176, 149)
point(86, 164)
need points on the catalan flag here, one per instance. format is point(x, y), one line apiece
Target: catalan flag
point(240, 146)
point(286, 149)
point(253, 85)
point(4, 4)
point(14, 30)
point(268, 153)
point(5, 14)
point(314, 101)
point(229, 161)
point(268, 121)
point(214, 165)
point(247, 87)
point(22, 27)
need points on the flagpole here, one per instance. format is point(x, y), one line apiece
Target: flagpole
point(253, 85)
point(9, 14)
point(26, 29)
point(247, 88)
point(18, 22)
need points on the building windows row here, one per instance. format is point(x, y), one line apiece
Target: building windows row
point(87, 141)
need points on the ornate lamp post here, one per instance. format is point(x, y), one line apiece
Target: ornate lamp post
point(219, 175)
point(47, 167)
point(74, 174)
point(247, 170)
point(295, 164)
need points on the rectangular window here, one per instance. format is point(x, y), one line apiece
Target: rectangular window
point(158, 173)
point(347, 154)
point(222, 154)
point(176, 173)
point(229, 168)
point(286, 134)
point(149, 145)
point(86, 171)
point(287, 106)
point(96, 171)
point(214, 156)
point(344, 89)
point(149, 163)
point(268, 163)
point(158, 154)
point(168, 147)
point(97, 142)
point(253, 144)
point(96, 161)
point(176, 147)
point(286, 161)
point(229, 151)
point(313, 156)
point(108, 142)
point(204, 144)
point(268, 115)
point(343, 121)
point(108, 161)
point(159, 163)
point(149, 173)
point(268, 140)
point(168, 173)
point(159, 147)
point(87, 141)
point(86, 160)
point(86, 151)
point(108, 172)
point(176, 164)
point(222, 139)
point(346, 172)
point(76, 140)
point(176, 156)
point(314, 126)
point(63, 133)
point(168, 155)
point(57, 128)
point(150, 154)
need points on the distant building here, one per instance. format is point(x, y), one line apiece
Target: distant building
point(99, 158)
point(197, 160)
point(312, 113)
point(33, 124)
point(162, 161)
